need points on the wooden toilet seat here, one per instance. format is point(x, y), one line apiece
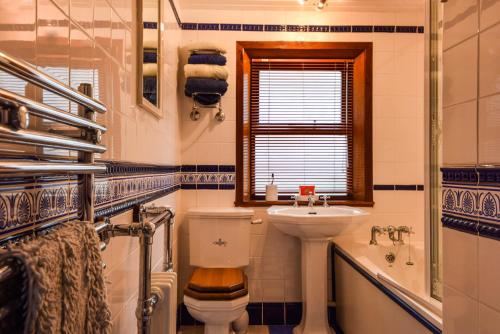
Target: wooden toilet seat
point(217, 284)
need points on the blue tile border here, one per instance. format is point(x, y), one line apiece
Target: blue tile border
point(405, 306)
point(303, 28)
point(398, 187)
point(293, 28)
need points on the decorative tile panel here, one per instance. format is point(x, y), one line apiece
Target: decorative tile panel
point(30, 201)
point(471, 200)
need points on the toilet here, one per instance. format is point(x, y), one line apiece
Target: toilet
point(219, 249)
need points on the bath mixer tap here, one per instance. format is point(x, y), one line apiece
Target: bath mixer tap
point(402, 230)
point(376, 230)
point(295, 201)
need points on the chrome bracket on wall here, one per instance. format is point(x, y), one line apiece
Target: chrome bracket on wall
point(195, 113)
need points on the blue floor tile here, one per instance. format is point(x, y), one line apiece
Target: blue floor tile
point(280, 329)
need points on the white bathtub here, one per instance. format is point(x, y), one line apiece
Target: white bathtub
point(365, 281)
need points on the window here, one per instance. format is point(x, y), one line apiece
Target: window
point(297, 120)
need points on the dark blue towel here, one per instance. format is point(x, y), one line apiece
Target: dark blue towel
point(150, 57)
point(207, 59)
point(206, 86)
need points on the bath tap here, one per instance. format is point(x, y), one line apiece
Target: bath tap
point(376, 230)
point(295, 201)
point(401, 230)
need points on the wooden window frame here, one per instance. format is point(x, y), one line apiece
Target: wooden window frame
point(361, 53)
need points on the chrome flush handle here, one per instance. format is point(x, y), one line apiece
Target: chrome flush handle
point(220, 243)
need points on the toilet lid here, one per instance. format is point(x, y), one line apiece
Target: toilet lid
point(217, 284)
point(217, 280)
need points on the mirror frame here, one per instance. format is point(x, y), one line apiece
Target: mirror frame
point(140, 100)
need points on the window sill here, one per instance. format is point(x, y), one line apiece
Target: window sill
point(318, 203)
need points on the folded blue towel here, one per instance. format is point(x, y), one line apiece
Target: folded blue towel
point(207, 59)
point(150, 57)
point(206, 86)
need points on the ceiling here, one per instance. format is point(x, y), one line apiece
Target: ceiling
point(291, 5)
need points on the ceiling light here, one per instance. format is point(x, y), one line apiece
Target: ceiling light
point(302, 1)
point(321, 4)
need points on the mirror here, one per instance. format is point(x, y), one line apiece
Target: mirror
point(148, 55)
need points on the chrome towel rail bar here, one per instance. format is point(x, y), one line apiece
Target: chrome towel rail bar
point(40, 167)
point(10, 99)
point(7, 134)
point(25, 71)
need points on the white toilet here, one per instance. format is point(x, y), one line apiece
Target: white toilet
point(219, 245)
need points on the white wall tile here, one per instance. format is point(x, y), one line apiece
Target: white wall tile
point(489, 68)
point(460, 134)
point(489, 13)
point(489, 320)
point(460, 262)
point(489, 273)
point(460, 312)
point(460, 21)
point(488, 130)
point(460, 73)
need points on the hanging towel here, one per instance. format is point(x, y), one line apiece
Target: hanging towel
point(149, 70)
point(205, 71)
point(206, 86)
point(66, 289)
point(207, 59)
point(205, 46)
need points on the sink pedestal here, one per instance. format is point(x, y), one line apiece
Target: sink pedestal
point(314, 288)
point(315, 228)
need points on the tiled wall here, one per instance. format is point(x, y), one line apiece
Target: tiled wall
point(398, 142)
point(93, 41)
point(471, 128)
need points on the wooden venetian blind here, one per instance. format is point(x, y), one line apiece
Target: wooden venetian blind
point(301, 126)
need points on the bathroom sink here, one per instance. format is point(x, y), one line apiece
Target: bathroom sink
point(315, 227)
point(315, 223)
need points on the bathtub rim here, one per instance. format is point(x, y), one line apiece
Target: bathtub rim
point(395, 296)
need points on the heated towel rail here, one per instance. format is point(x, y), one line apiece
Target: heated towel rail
point(15, 111)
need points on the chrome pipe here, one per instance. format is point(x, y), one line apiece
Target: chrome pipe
point(28, 72)
point(9, 135)
point(10, 99)
point(8, 167)
point(145, 305)
point(168, 263)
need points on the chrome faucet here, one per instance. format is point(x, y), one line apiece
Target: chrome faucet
point(295, 201)
point(376, 230)
point(325, 201)
point(402, 230)
point(310, 201)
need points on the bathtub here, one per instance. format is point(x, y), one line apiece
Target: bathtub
point(374, 296)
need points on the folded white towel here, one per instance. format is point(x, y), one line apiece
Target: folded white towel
point(150, 39)
point(205, 71)
point(205, 46)
point(149, 70)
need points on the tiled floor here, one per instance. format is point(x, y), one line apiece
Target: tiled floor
point(251, 330)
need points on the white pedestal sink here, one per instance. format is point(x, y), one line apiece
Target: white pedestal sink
point(315, 227)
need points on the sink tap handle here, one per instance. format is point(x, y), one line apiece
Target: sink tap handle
point(325, 200)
